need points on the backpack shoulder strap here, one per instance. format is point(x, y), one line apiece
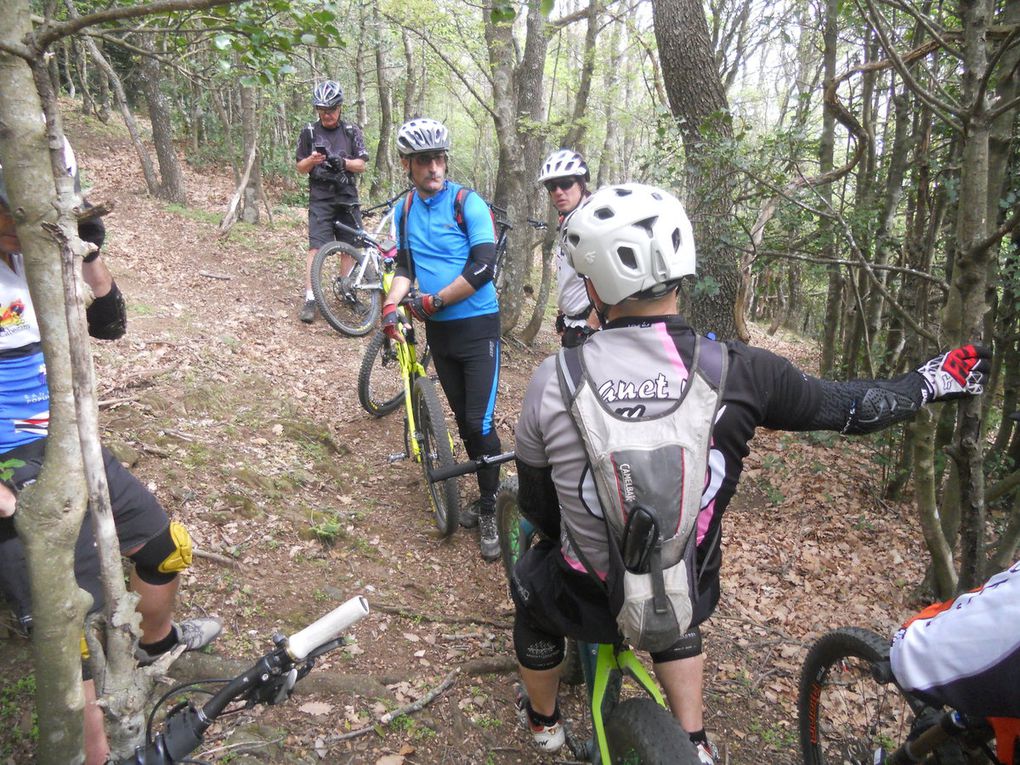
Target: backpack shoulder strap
point(458, 208)
point(403, 240)
point(569, 372)
point(711, 358)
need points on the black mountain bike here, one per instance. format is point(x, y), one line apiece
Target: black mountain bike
point(270, 680)
point(851, 711)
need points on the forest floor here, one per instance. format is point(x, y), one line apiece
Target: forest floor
point(246, 425)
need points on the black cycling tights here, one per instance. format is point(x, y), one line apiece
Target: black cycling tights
point(468, 370)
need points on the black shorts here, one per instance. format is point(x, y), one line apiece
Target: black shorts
point(137, 515)
point(554, 601)
point(320, 222)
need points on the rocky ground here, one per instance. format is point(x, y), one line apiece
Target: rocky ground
point(246, 425)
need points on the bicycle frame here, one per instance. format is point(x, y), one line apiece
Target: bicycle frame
point(604, 665)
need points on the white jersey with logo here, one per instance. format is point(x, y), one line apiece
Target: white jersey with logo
point(965, 653)
point(18, 324)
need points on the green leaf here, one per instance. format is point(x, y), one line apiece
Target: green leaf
point(223, 41)
point(308, 39)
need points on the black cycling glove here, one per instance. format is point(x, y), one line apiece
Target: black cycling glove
point(107, 316)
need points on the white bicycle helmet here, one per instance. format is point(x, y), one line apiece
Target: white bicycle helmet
point(71, 163)
point(631, 240)
point(422, 135)
point(327, 95)
point(564, 163)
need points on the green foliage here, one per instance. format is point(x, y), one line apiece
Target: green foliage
point(7, 468)
point(18, 717)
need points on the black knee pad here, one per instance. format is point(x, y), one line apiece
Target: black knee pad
point(536, 649)
point(164, 556)
point(687, 647)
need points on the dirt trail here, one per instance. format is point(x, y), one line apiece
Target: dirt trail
point(246, 425)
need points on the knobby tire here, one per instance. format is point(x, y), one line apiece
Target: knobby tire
point(380, 389)
point(639, 731)
point(844, 713)
point(436, 453)
point(350, 311)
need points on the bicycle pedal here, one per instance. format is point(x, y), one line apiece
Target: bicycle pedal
point(398, 457)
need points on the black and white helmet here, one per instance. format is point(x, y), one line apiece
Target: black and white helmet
point(564, 163)
point(631, 240)
point(422, 135)
point(327, 95)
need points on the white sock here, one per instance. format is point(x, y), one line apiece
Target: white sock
point(309, 295)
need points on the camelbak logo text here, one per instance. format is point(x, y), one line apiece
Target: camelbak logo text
point(620, 390)
point(627, 483)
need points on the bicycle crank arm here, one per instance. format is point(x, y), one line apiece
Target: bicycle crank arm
point(398, 457)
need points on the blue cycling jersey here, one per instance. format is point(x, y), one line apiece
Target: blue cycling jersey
point(439, 249)
point(24, 400)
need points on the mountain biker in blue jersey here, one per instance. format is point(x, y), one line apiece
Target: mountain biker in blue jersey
point(449, 250)
point(633, 244)
point(159, 549)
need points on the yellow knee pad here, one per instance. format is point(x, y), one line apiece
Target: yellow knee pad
point(164, 556)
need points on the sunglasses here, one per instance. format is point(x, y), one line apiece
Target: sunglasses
point(562, 185)
point(327, 109)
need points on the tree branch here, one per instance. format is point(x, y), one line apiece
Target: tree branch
point(942, 285)
point(952, 114)
point(50, 32)
point(1004, 230)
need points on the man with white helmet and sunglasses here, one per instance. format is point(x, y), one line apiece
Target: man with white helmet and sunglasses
point(565, 176)
point(332, 154)
point(632, 244)
point(446, 244)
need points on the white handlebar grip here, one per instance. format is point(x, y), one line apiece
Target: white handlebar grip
point(326, 628)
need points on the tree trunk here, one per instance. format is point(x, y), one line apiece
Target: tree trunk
point(151, 183)
point(576, 134)
point(382, 181)
point(172, 181)
point(249, 132)
point(51, 510)
point(698, 103)
point(826, 152)
point(517, 108)
point(965, 311)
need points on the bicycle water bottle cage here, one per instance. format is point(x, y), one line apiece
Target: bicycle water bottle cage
point(640, 540)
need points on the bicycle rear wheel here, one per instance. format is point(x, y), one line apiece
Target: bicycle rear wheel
point(640, 731)
point(351, 306)
point(846, 714)
point(435, 453)
point(380, 389)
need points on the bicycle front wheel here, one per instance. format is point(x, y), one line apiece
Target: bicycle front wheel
point(434, 442)
point(380, 388)
point(640, 731)
point(350, 304)
point(845, 714)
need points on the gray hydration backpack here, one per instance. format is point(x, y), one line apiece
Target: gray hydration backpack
point(649, 474)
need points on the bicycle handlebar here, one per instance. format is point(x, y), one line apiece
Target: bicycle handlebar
point(387, 204)
point(270, 680)
point(471, 466)
point(327, 628)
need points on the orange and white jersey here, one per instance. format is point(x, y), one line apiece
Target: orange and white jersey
point(965, 653)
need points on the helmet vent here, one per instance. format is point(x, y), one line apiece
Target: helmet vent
point(604, 213)
point(573, 239)
point(676, 239)
point(627, 257)
point(647, 225)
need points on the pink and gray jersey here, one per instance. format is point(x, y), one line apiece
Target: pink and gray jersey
point(640, 366)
